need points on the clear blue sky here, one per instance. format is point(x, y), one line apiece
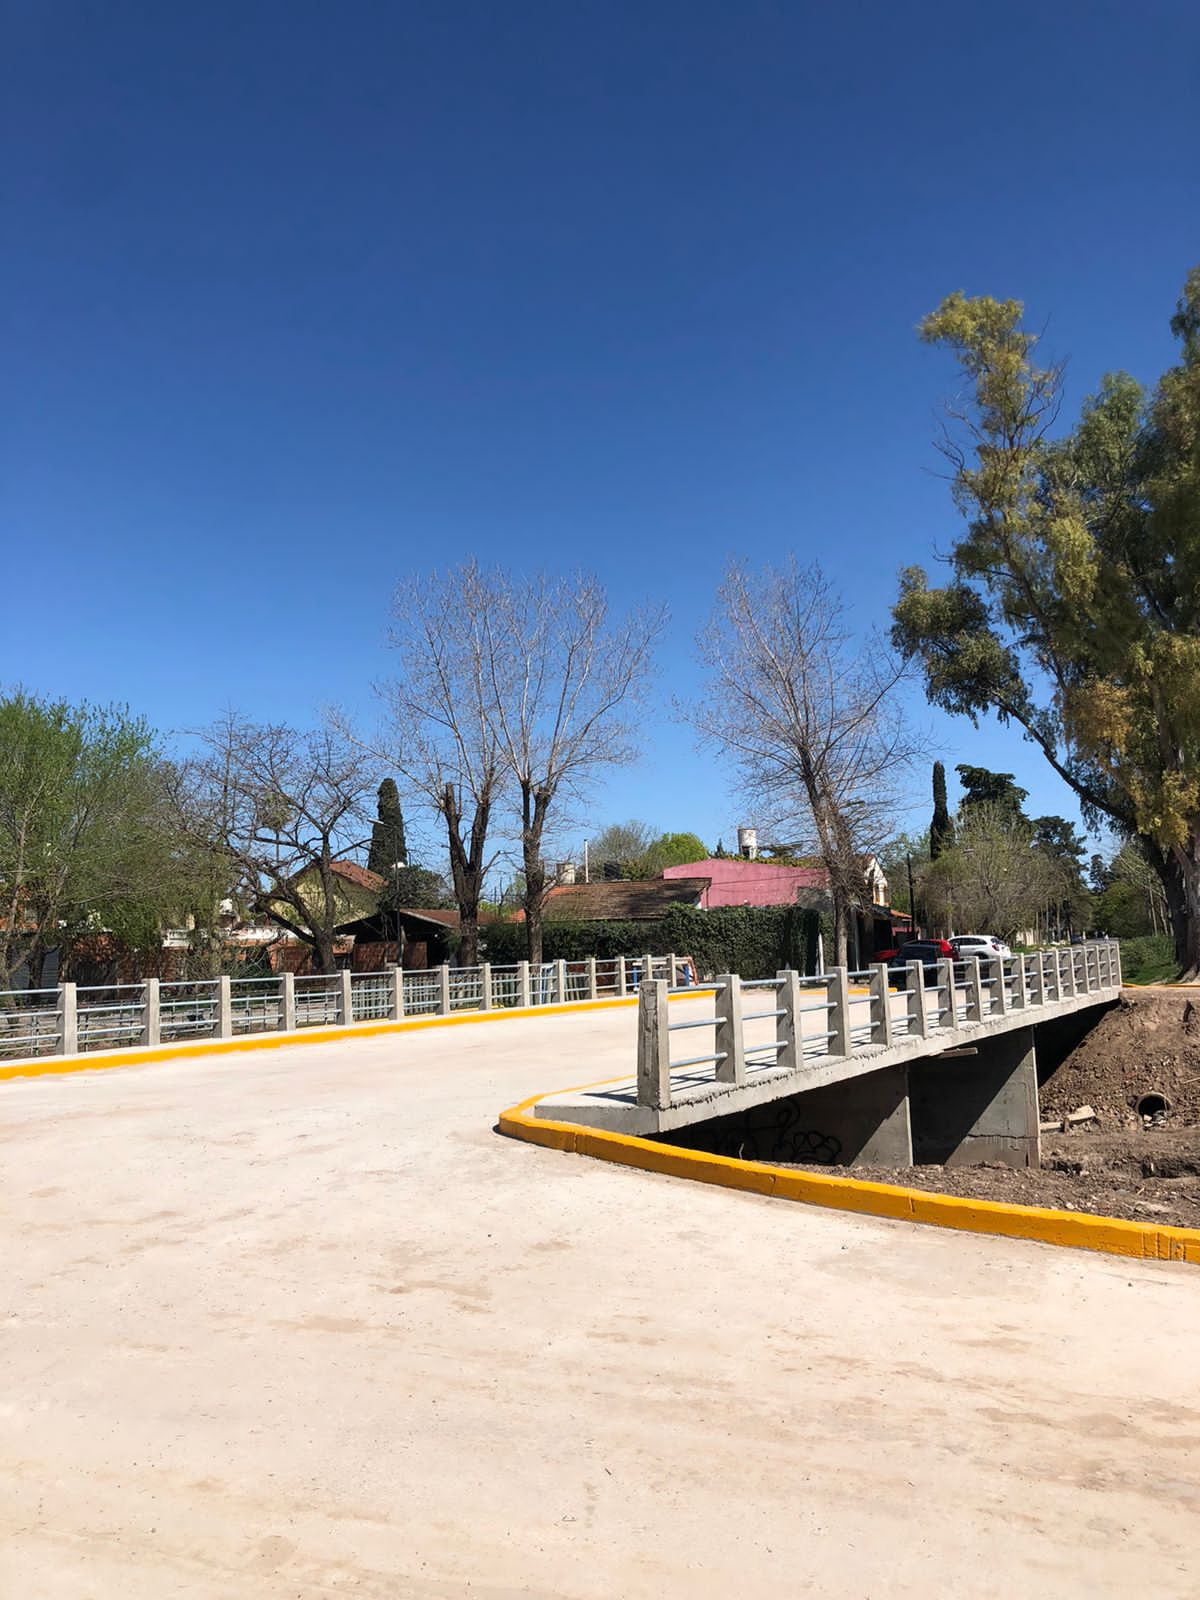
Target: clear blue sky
point(301, 297)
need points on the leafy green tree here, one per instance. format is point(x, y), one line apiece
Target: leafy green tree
point(941, 829)
point(984, 788)
point(1129, 900)
point(388, 844)
point(86, 844)
point(671, 850)
point(1073, 608)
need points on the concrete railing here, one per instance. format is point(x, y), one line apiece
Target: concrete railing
point(789, 1022)
point(72, 1019)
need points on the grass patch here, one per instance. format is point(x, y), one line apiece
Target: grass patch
point(1149, 960)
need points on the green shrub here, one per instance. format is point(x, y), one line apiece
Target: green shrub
point(755, 941)
point(1150, 959)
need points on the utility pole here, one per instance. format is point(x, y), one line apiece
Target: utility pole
point(396, 866)
point(912, 898)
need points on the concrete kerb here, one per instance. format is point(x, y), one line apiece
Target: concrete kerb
point(145, 1056)
point(1072, 1230)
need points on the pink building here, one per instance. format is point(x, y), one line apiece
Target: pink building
point(734, 882)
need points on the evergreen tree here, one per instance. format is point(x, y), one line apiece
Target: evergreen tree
point(982, 787)
point(388, 844)
point(941, 829)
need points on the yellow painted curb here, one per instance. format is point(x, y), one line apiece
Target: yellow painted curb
point(1144, 1241)
point(146, 1055)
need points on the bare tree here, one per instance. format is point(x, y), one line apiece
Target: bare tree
point(280, 806)
point(563, 681)
point(810, 717)
point(442, 737)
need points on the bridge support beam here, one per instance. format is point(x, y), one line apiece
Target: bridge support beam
point(983, 1106)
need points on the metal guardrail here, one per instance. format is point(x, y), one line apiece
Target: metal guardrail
point(841, 1014)
point(72, 1019)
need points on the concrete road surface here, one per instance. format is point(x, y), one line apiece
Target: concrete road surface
point(300, 1324)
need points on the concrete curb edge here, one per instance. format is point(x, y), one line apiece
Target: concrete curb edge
point(1074, 1230)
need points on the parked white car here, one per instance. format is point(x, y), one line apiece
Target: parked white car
point(982, 945)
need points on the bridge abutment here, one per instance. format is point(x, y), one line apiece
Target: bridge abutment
point(981, 1106)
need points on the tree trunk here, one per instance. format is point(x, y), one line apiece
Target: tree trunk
point(841, 933)
point(322, 952)
point(1187, 948)
point(1185, 926)
point(466, 869)
point(468, 924)
point(535, 894)
point(534, 805)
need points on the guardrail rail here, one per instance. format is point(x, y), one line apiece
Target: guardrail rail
point(791, 1021)
point(73, 1019)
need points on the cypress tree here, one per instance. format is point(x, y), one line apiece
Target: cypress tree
point(941, 829)
point(388, 845)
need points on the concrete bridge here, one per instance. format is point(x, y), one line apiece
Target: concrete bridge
point(881, 1067)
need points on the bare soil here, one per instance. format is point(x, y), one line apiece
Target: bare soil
point(1148, 1043)
point(1121, 1163)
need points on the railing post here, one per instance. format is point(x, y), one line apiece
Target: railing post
point(444, 989)
point(1116, 960)
point(974, 990)
point(591, 977)
point(224, 1007)
point(345, 997)
point(654, 1046)
point(918, 1016)
point(1037, 991)
point(396, 1003)
point(647, 969)
point(151, 1012)
point(948, 1017)
point(728, 1035)
point(485, 986)
point(673, 970)
point(1066, 972)
point(881, 1005)
point(998, 1005)
point(68, 1020)
point(621, 985)
point(1020, 998)
point(789, 1027)
point(837, 988)
point(288, 1001)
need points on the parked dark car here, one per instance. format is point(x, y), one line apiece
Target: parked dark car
point(927, 951)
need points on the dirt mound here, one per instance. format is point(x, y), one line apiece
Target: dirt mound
point(1146, 1044)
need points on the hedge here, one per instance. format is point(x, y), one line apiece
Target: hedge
point(756, 941)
